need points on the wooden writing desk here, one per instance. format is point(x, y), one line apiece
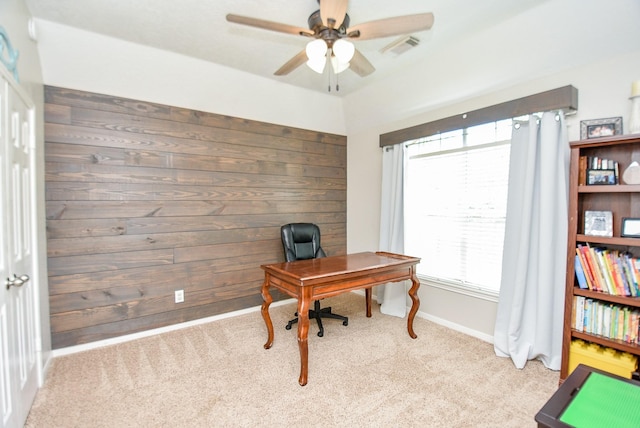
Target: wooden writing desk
point(313, 279)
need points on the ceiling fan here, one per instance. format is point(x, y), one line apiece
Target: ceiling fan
point(329, 28)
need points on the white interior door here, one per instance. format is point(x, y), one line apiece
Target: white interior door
point(18, 353)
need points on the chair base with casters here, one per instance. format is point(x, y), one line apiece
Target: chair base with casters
point(317, 314)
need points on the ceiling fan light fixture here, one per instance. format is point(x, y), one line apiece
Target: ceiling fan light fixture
point(344, 50)
point(330, 29)
point(337, 65)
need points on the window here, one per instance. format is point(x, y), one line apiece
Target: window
point(455, 206)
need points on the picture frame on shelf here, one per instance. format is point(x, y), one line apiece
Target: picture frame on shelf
point(597, 177)
point(630, 227)
point(596, 128)
point(598, 223)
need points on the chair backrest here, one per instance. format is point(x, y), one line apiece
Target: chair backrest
point(301, 241)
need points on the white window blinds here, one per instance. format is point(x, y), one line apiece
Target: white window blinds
point(455, 205)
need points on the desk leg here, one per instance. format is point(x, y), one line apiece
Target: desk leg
point(367, 297)
point(304, 303)
point(267, 299)
point(413, 293)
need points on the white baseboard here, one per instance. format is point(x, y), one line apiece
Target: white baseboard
point(457, 327)
point(445, 323)
point(133, 336)
point(129, 337)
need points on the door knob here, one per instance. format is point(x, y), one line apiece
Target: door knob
point(17, 281)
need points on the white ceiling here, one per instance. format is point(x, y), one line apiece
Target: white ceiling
point(198, 28)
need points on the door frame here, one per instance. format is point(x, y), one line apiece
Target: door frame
point(36, 279)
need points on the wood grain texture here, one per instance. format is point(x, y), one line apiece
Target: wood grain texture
point(144, 199)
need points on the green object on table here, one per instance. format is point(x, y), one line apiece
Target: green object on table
point(603, 402)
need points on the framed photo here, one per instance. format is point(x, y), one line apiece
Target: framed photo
point(631, 227)
point(597, 128)
point(598, 223)
point(601, 176)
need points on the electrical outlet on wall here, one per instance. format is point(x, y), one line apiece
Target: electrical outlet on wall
point(179, 296)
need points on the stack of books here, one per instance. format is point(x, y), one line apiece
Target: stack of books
point(606, 319)
point(607, 271)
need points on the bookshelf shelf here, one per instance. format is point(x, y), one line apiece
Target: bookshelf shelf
point(605, 341)
point(623, 201)
point(610, 298)
point(618, 188)
point(625, 242)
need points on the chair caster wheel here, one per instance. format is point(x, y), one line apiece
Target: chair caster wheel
point(345, 323)
point(288, 327)
point(320, 333)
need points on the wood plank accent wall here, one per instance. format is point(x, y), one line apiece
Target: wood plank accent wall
point(144, 199)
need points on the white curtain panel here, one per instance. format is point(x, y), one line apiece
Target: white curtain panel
point(530, 309)
point(392, 296)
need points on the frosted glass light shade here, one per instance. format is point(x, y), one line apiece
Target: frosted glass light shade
point(316, 49)
point(317, 54)
point(344, 50)
point(317, 64)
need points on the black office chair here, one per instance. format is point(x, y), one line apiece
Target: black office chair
point(302, 241)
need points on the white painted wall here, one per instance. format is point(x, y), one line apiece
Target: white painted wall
point(82, 60)
point(525, 55)
point(14, 17)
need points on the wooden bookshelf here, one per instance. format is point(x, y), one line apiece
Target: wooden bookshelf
point(623, 200)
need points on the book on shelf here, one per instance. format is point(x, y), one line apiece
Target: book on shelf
point(577, 319)
point(607, 270)
point(612, 321)
point(613, 267)
point(582, 170)
point(606, 321)
point(588, 269)
point(582, 280)
point(635, 263)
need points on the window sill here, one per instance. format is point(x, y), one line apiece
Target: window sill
point(477, 293)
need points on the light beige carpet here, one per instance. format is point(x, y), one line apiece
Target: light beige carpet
point(369, 374)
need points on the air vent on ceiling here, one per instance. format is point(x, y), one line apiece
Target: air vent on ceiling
point(400, 45)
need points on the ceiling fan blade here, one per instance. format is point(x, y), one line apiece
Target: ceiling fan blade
point(391, 26)
point(269, 25)
point(360, 65)
point(332, 12)
point(292, 64)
